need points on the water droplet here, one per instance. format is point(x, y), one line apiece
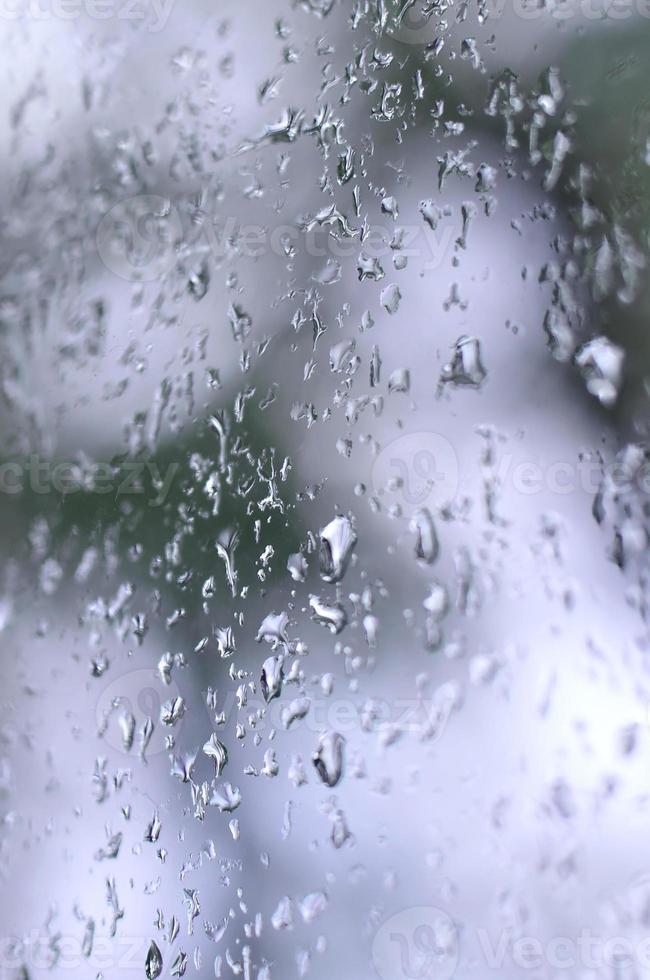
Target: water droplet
point(328, 759)
point(601, 365)
point(426, 539)
point(216, 750)
point(337, 542)
point(330, 614)
point(465, 367)
point(271, 679)
point(390, 298)
point(154, 962)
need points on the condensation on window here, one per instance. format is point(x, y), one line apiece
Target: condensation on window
point(324, 483)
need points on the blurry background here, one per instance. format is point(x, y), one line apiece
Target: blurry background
point(240, 249)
